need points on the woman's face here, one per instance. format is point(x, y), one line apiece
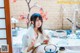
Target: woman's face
point(38, 23)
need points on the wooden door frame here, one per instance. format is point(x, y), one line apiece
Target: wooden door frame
point(8, 24)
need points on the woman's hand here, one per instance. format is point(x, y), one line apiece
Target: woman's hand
point(31, 46)
point(45, 41)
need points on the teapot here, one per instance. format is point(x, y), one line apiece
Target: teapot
point(50, 48)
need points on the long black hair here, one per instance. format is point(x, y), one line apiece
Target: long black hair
point(34, 17)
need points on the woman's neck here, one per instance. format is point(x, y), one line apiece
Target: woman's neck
point(36, 30)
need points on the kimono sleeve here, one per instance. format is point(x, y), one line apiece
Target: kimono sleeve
point(26, 40)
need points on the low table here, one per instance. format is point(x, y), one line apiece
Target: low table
point(72, 45)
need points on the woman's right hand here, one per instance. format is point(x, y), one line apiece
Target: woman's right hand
point(31, 46)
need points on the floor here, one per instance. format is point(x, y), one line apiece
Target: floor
point(17, 42)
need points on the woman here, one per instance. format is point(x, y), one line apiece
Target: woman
point(35, 35)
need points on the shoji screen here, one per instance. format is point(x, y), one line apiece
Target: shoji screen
point(5, 32)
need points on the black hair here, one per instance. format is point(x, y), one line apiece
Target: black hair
point(34, 17)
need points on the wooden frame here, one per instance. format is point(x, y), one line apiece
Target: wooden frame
point(8, 24)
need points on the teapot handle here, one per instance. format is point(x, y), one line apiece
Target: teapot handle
point(50, 44)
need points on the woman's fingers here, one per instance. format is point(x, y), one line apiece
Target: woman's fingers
point(33, 42)
point(46, 41)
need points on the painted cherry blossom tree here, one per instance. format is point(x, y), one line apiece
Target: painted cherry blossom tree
point(43, 14)
point(35, 5)
point(26, 16)
point(13, 1)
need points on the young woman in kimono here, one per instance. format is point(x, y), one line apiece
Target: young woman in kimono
point(35, 36)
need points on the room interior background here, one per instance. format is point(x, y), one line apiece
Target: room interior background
point(56, 17)
point(56, 14)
